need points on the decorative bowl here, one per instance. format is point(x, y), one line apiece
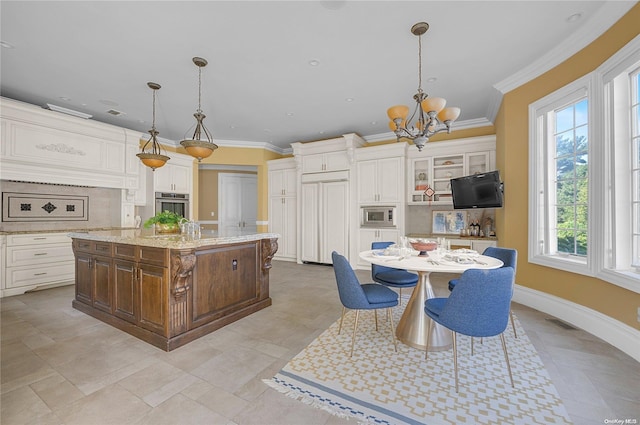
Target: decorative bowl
point(423, 246)
point(167, 228)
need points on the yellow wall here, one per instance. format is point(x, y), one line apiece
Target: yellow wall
point(512, 147)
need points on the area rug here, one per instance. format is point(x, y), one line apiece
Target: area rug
point(380, 386)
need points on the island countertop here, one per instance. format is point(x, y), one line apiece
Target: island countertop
point(148, 237)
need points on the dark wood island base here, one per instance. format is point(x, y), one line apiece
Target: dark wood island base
point(171, 291)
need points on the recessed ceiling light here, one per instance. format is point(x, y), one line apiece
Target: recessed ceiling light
point(7, 45)
point(314, 62)
point(65, 98)
point(575, 17)
point(349, 99)
point(266, 130)
point(289, 114)
point(374, 122)
point(432, 80)
point(232, 126)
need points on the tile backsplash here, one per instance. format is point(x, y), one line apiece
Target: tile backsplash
point(102, 209)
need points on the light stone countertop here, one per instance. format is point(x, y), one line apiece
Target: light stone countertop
point(148, 237)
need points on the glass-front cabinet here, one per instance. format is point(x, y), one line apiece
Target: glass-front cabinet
point(430, 172)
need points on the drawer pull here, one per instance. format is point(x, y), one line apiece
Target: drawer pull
point(39, 239)
point(41, 253)
point(40, 274)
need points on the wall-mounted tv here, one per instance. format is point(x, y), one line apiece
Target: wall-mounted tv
point(477, 191)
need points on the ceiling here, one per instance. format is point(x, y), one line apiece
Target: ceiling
point(260, 87)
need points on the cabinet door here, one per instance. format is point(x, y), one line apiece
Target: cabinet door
point(477, 162)
point(389, 180)
point(367, 172)
point(124, 287)
point(84, 280)
point(335, 161)
point(309, 237)
point(480, 246)
point(163, 179)
point(102, 294)
point(152, 301)
point(289, 239)
point(335, 220)
point(313, 163)
point(365, 238)
point(181, 179)
point(290, 179)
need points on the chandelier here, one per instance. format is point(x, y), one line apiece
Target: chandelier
point(198, 147)
point(430, 115)
point(153, 157)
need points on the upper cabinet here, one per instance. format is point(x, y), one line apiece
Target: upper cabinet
point(50, 147)
point(321, 162)
point(327, 155)
point(175, 176)
point(430, 172)
point(282, 182)
point(380, 174)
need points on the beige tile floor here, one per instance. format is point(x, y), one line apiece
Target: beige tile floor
point(59, 366)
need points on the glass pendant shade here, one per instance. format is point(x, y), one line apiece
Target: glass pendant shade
point(434, 104)
point(398, 111)
point(449, 114)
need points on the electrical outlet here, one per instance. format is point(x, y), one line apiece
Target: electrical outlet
point(213, 213)
point(639, 314)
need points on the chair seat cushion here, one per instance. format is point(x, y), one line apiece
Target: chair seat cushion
point(397, 278)
point(452, 284)
point(433, 306)
point(380, 296)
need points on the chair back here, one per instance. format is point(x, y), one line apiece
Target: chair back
point(507, 255)
point(375, 269)
point(351, 293)
point(480, 304)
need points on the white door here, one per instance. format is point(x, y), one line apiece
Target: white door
point(237, 202)
point(335, 220)
point(309, 232)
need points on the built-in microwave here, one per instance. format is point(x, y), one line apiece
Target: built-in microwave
point(378, 216)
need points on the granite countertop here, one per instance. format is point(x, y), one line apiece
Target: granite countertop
point(451, 236)
point(148, 237)
point(23, 232)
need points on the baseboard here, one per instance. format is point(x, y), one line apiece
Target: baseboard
point(616, 333)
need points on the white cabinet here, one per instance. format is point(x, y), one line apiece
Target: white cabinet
point(283, 220)
point(367, 236)
point(330, 161)
point(324, 220)
point(480, 245)
point(37, 260)
point(174, 178)
point(430, 171)
point(380, 181)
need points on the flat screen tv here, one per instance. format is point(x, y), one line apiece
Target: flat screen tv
point(477, 191)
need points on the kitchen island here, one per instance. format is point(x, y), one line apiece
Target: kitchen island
point(169, 290)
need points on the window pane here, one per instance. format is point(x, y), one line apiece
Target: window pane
point(581, 243)
point(582, 114)
point(582, 139)
point(565, 192)
point(566, 241)
point(564, 143)
point(564, 217)
point(564, 119)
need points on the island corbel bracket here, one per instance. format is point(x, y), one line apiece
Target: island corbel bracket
point(269, 249)
point(182, 263)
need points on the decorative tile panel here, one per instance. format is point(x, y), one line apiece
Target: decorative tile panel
point(28, 207)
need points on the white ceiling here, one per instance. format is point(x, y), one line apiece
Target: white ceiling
point(259, 87)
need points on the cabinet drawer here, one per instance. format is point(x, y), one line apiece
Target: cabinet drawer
point(37, 239)
point(29, 255)
point(156, 256)
point(124, 251)
point(24, 276)
point(102, 248)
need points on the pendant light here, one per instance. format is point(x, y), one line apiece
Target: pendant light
point(430, 115)
point(153, 158)
point(198, 147)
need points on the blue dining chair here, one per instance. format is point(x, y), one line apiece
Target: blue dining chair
point(369, 296)
point(388, 276)
point(479, 307)
point(509, 258)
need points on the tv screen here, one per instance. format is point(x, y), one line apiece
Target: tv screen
point(477, 191)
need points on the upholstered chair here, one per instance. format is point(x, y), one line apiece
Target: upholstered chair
point(478, 307)
point(354, 296)
point(388, 276)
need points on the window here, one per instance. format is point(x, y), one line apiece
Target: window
point(584, 170)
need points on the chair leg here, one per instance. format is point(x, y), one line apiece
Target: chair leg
point(344, 309)
point(393, 336)
point(513, 325)
point(506, 357)
point(375, 313)
point(400, 298)
point(426, 349)
point(455, 358)
point(355, 328)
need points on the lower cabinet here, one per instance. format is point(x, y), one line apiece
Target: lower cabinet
point(367, 236)
point(35, 260)
point(122, 284)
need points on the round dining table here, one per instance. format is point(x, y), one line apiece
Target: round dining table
point(413, 325)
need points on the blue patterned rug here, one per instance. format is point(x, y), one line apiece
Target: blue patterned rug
point(380, 386)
